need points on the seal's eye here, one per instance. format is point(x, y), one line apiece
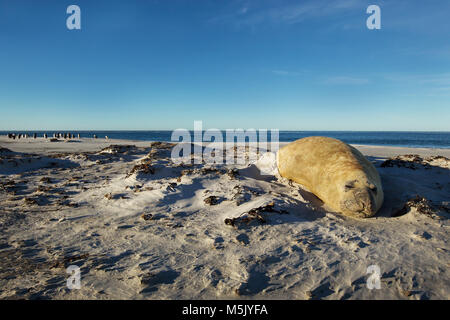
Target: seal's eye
point(350, 185)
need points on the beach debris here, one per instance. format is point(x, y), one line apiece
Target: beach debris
point(171, 186)
point(406, 293)
point(240, 196)
point(43, 189)
point(116, 148)
point(111, 196)
point(64, 262)
point(160, 150)
point(186, 172)
point(243, 194)
point(8, 185)
point(145, 168)
point(31, 202)
point(255, 214)
point(45, 180)
point(414, 161)
point(211, 200)
point(147, 216)
point(232, 173)
point(422, 206)
point(209, 170)
point(162, 145)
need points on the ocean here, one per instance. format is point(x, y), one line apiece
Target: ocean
point(382, 138)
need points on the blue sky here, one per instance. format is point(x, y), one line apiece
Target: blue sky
point(291, 65)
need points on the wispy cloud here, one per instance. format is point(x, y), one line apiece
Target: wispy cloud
point(411, 15)
point(432, 79)
point(286, 73)
point(286, 12)
point(430, 84)
point(243, 10)
point(345, 80)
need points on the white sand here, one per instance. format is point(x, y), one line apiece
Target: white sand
point(89, 214)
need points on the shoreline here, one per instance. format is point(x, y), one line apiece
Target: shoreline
point(42, 145)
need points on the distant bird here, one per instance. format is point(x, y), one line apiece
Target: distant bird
point(45, 136)
point(34, 135)
point(95, 136)
point(106, 137)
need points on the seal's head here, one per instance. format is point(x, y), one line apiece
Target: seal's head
point(360, 197)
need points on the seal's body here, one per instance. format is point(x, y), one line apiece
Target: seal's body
point(335, 172)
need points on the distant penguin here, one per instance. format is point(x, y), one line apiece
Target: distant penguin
point(78, 136)
point(34, 135)
point(95, 136)
point(45, 136)
point(106, 137)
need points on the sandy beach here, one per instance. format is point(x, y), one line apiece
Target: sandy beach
point(142, 227)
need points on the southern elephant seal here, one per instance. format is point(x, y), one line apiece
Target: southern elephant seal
point(335, 172)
